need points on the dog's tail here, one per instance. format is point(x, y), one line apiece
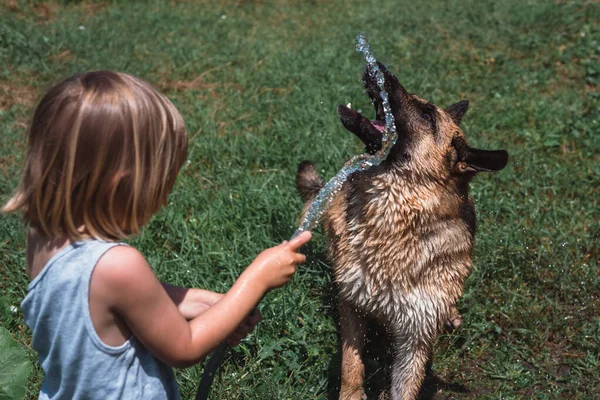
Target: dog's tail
point(308, 181)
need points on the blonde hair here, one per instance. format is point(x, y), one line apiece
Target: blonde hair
point(104, 150)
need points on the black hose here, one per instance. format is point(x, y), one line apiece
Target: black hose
point(210, 370)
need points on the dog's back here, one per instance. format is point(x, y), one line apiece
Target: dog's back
point(392, 237)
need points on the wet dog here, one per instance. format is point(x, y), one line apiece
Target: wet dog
point(401, 234)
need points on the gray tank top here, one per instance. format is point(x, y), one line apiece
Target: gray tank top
point(77, 364)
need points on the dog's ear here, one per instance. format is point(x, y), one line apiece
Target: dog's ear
point(458, 110)
point(477, 160)
point(485, 160)
point(361, 127)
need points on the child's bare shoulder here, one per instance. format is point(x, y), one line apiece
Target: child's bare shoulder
point(122, 259)
point(124, 270)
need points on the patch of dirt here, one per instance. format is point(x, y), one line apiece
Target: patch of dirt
point(592, 88)
point(584, 2)
point(199, 82)
point(92, 8)
point(16, 92)
point(13, 93)
point(10, 5)
point(48, 12)
point(8, 163)
point(62, 57)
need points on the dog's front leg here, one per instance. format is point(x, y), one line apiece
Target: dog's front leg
point(411, 354)
point(353, 330)
point(408, 371)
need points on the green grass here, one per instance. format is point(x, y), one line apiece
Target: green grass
point(258, 83)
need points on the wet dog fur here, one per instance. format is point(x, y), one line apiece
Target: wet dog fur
point(401, 234)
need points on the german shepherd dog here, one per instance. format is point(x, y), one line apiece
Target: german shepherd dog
point(401, 234)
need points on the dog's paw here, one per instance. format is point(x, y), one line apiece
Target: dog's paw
point(454, 320)
point(352, 394)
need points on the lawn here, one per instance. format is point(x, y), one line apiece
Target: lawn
point(258, 83)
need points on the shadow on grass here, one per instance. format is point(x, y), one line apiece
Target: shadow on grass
point(378, 360)
point(435, 388)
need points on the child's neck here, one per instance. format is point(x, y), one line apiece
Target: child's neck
point(40, 249)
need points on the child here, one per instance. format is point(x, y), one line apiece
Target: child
point(103, 153)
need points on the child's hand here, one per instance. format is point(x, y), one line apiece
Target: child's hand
point(275, 267)
point(245, 328)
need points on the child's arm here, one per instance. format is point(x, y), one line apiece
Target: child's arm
point(132, 291)
point(192, 302)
